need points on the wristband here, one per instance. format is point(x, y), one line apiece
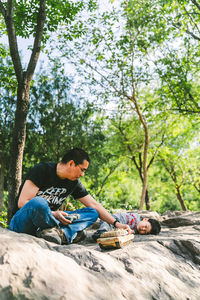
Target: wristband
point(114, 223)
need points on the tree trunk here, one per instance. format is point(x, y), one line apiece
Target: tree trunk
point(147, 200)
point(180, 199)
point(146, 145)
point(170, 169)
point(24, 80)
point(17, 145)
point(139, 168)
point(2, 168)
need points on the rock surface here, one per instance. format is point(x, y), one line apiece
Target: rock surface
point(160, 267)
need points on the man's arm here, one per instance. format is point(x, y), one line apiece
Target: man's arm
point(89, 201)
point(28, 192)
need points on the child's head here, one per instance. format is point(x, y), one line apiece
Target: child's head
point(148, 226)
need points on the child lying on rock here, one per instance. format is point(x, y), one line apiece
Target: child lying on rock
point(136, 223)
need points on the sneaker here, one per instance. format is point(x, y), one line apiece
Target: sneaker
point(54, 235)
point(80, 236)
point(97, 234)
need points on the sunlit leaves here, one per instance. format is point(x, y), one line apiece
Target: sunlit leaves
point(57, 13)
point(8, 82)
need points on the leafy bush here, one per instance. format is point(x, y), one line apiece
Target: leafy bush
point(3, 219)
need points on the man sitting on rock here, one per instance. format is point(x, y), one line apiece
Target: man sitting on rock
point(44, 190)
point(136, 223)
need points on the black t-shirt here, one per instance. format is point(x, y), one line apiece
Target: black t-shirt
point(51, 187)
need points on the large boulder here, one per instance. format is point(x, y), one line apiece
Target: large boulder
point(160, 267)
point(177, 219)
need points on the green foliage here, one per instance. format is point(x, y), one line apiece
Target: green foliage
point(167, 32)
point(139, 44)
point(59, 120)
point(3, 219)
point(8, 82)
point(8, 87)
point(182, 16)
point(57, 13)
point(3, 213)
point(178, 78)
point(169, 205)
point(71, 204)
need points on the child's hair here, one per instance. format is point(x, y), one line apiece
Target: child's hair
point(155, 226)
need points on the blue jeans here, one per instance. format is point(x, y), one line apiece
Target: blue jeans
point(36, 215)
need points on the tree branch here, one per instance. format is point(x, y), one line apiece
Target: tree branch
point(2, 9)
point(139, 168)
point(196, 187)
point(193, 35)
point(106, 178)
point(191, 18)
point(155, 153)
point(178, 25)
point(125, 138)
point(196, 4)
point(14, 52)
point(106, 79)
point(38, 39)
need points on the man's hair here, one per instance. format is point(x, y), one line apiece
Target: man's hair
point(155, 226)
point(77, 155)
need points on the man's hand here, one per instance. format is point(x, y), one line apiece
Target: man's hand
point(124, 226)
point(59, 215)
